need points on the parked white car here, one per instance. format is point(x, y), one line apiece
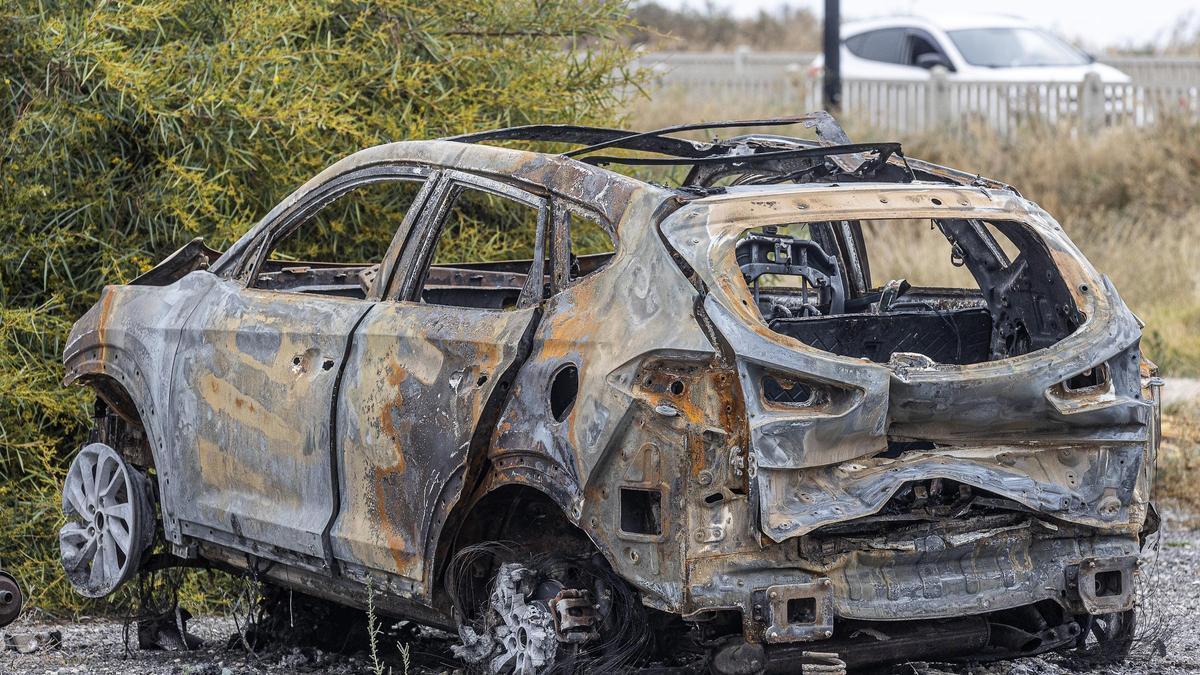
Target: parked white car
point(979, 48)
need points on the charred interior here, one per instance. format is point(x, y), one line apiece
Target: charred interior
point(814, 285)
point(488, 285)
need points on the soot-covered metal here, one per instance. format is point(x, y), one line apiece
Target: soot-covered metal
point(724, 429)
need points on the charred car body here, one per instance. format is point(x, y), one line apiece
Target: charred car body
point(726, 419)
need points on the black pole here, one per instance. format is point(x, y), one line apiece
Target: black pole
point(832, 89)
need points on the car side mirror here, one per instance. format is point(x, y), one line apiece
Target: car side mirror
point(929, 60)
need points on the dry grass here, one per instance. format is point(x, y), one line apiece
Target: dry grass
point(1127, 197)
point(1178, 476)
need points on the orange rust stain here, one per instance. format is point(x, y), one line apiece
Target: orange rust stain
point(1074, 276)
point(394, 410)
point(696, 457)
point(570, 328)
point(487, 360)
point(406, 562)
point(106, 302)
point(223, 468)
point(396, 373)
point(222, 397)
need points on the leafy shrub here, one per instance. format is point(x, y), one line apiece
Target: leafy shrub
point(131, 127)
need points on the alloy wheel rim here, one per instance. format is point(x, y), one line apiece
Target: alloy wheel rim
point(105, 534)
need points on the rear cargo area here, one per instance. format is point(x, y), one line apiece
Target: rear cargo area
point(837, 287)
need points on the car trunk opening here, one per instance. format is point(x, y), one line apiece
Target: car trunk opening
point(953, 290)
point(885, 336)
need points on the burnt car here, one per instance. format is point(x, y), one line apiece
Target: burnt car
point(712, 429)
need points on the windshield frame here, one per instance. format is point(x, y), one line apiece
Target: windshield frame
point(1047, 39)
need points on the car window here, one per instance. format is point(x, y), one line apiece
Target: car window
point(591, 244)
point(885, 45)
point(1014, 47)
point(914, 250)
point(337, 249)
point(484, 248)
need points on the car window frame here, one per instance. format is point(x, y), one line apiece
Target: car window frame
point(294, 217)
point(560, 243)
point(417, 257)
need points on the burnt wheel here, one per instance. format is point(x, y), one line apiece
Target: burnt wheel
point(10, 599)
point(110, 521)
point(524, 629)
point(514, 630)
point(1106, 638)
point(524, 614)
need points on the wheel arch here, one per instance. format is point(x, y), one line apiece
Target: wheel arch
point(513, 506)
point(124, 392)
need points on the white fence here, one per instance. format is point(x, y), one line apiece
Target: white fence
point(784, 82)
point(903, 107)
point(1157, 69)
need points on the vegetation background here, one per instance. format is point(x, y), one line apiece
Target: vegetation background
point(131, 127)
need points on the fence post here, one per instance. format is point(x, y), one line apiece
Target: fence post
point(1091, 102)
point(937, 98)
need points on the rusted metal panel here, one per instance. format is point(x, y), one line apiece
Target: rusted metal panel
point(416, 382)
point(637, 308)
point(252, 385)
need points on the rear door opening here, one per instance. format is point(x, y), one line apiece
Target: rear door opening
point(954, 291)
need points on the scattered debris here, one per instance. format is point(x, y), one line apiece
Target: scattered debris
point(167, 631)
point(29, 642)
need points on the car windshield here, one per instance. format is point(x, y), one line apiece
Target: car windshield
point(1014, 47)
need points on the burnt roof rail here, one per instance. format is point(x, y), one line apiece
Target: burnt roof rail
point(827, 129)
point(768, 153)
point(884, 149)
point(590, 136)
point(656, 140)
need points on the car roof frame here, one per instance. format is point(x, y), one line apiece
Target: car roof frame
point(832, 139)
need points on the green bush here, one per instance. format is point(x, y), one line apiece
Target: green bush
point(131, 127)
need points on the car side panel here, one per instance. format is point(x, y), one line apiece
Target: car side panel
point(637, 310)
point(251, 393)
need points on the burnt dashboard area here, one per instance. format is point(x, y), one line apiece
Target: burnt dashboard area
point(813, 283)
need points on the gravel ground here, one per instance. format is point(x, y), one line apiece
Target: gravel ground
point(1168, 637)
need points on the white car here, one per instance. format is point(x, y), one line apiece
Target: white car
point(978, 48)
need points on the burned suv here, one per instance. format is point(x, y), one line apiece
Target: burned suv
point(693, 418)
